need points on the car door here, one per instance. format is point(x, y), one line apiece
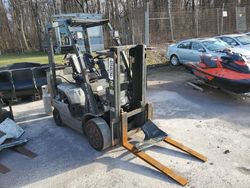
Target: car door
point(183, 50)
point(230, 41)
point(196, 51)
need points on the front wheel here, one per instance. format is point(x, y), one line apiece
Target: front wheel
point(174, 60)
point(57, 118)
point(98, 133)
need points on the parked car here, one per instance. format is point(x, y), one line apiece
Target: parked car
point(192, 49)
point(248, 34)
point(237, 40)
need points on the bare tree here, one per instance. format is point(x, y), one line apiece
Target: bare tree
point(22, 22)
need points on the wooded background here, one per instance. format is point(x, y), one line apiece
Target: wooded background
point(23, 22)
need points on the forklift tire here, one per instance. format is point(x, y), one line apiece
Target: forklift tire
point(57, 118)
point(98, 133)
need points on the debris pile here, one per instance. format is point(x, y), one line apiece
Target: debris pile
point(10, 134)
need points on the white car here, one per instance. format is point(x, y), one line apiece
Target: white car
point(248, 34)
point(239, 42)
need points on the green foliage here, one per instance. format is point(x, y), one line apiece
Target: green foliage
point(153, 57)
point(38, 57)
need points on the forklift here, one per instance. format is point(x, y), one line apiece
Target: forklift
point(103, 94)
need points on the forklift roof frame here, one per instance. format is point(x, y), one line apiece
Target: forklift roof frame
point(62, 45)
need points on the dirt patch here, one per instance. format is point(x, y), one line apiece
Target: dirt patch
point(156, 55)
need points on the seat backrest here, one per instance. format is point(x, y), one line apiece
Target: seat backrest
point(39, 72)
point(5, 77)
point(208, 61)
point(40, 76)
point(22, 75)
point(88, 59)
point(23, 79)
point(6, 83)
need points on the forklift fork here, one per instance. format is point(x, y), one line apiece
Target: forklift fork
point(151, 161)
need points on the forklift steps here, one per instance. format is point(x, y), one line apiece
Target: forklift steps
point(154, 135)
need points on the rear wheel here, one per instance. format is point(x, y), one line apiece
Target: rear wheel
point(98, 133)
point(57, 118)
point(174, 60)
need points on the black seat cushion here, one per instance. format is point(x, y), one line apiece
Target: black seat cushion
point(23, 79)
point(5, 81)
point(40, 76)
point(209, 61)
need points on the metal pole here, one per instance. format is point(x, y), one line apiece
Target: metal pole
point(218, 21)
point(11, 109)
point(237, 19)
point(170, 19)
point(146, 29)
point(222, 18)
point(133, 32)
point(51, 59)
point(197, 22)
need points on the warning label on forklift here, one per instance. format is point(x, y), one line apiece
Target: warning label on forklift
point(111, 67)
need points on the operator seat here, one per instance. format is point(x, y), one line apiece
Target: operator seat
point(40, 76)
point(208, 61)
point(23, 80)
point(90, 64)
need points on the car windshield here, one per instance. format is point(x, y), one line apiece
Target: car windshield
point(245, 40)
point(215, 45)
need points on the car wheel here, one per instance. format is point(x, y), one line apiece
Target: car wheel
point(174, 60)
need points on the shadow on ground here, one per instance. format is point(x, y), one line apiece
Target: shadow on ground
point(61, 149)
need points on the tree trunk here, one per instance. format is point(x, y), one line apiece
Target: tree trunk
point(5, 27)
point(87, 6)
point(98, 6)
point(58, 6)
point(22, 32)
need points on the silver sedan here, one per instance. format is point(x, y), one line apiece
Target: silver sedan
point(192, 49)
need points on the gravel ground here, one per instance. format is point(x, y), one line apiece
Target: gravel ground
point(213, 123)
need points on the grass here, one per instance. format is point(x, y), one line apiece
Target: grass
point(153, 57)
point(38, 57)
